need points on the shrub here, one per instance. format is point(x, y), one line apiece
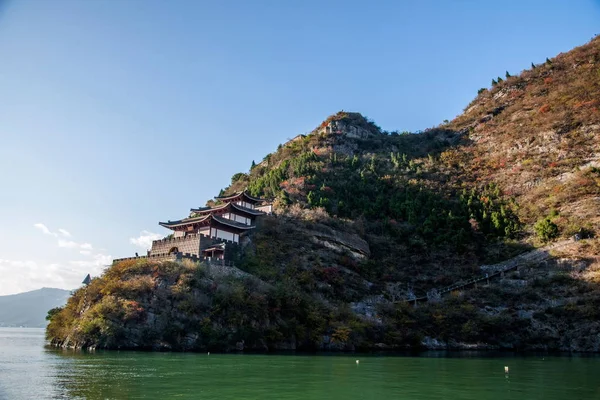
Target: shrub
point(546, 229)
point(544, 109)
point(341, 334)
point(238, 177)
point(53, 312)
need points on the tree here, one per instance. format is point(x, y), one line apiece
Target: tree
point(311, 198)
point(52, 312)
point(532, 66)
point(546, 229)
point(253, 165)
point(285, 198)
point(238, 176)
point(494, 83)
point(508, 75)
point(548, 61)
point(500, 80)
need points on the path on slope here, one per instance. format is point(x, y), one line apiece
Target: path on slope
point(497, 270)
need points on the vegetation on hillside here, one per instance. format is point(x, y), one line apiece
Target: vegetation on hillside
point(365, 222)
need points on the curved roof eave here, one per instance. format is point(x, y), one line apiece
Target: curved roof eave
point(244, 193)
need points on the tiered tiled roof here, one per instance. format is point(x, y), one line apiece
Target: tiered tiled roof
point(209, 216)
point(226, 207)
point(241, 196)
point(204, 220)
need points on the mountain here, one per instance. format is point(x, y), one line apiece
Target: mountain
point(29, 309)
point(480, 233)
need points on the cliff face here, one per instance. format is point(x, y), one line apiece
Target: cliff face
point(171, 306)
point(366, 221)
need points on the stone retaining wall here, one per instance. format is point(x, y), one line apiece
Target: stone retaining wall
point(184, 244)
point(192, 243)
point(178, 257)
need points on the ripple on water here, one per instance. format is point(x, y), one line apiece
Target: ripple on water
point(30, 371)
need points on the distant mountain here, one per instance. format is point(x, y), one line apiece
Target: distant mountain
point(29, 309)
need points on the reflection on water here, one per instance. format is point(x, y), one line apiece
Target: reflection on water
point(30, 371)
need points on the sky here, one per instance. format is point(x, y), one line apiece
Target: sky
point(115, 115)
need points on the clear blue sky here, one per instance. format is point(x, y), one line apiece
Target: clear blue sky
point(117, 114)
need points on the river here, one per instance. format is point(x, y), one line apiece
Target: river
point(29, 370)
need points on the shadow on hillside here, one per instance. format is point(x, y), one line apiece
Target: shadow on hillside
point(502, 251)
point(430, 142)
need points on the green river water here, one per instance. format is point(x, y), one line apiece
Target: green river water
point(29, 370)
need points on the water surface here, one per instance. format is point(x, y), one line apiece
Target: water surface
point(28, 370)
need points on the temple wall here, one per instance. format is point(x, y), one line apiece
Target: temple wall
point(186, 244)
point(221, 234)
point(160, 249)
point(267, 208)
point(154, 257)
point(192, 243)
point(237, 218)
point(206, 242)
point(244, 204)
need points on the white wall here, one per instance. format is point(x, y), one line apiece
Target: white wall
point(221, 234)
point(237, 218)
point(266, 208)
point(244, 204)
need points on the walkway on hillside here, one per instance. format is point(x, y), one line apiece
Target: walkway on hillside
point(497, 270)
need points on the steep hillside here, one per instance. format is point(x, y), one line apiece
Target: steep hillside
point(371, 226)
point(536, 136)
point(29, 309)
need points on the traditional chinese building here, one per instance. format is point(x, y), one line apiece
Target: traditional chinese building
point(207, 232)
point(245, 200)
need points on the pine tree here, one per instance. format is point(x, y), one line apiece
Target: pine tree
point(311, 198)
point(548, 61)
point(532, 66)
point(253, 165)
point(546, 229)
point(500, 80)
point(372, 165)
point(494, 83)
point(395, 160)
point(508, 75)
point(285, 197)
